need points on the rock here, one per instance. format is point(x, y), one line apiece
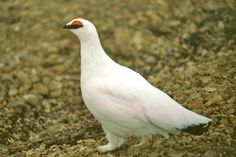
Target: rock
point(40, 88)
point(3, 92)
point(210, 154)
point(221, 25)
point(47, 106)
point(174, 23)
point(36, 61)
point(209, 89)
point(231, 111)
point(122, 33)
point(141, 39)
point(34, 137)
point(171, 143)
point(25, 88)
point(34, 78)
point(53, 59)
point(96, 155)
point(173, 153)
point(80, 113)
point(23, 77)
point(192, 28)
point(60, 68)
point(150, 60)
point(185, 36)
point(205, 79)
point(19, 154)
point(54, 85)
point(13, 92)
point(32, 99)
point(56, 93)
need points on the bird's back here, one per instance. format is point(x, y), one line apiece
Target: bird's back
point(123, 98)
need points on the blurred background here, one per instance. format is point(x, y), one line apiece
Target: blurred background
point(186, 48)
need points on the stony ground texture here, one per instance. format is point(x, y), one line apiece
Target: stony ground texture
point(186, 48)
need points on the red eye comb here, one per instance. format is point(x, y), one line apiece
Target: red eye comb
point(77, 22)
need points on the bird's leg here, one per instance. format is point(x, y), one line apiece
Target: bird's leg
point(144, 140)
point(114, 141)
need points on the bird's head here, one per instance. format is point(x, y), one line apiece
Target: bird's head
point(82, 28)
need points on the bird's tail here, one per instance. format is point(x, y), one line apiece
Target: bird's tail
point(194, 123)
point(197, 129)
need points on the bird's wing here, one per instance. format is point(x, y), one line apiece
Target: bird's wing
point(126, 97)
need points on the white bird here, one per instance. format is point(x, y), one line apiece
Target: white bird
point(122, 100)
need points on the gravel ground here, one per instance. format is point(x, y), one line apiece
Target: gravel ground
point(185, 48)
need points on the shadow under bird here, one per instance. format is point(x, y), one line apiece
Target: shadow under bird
point(122, 100)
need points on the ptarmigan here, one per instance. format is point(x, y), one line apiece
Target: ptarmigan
point(122, 100)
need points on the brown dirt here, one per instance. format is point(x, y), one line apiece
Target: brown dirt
point(185, 48)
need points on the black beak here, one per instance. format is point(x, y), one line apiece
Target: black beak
point(72, 26)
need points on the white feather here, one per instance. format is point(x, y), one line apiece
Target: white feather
point(122, 100)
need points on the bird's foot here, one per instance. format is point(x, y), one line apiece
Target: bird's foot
point(137, 145)
point(143, 142)
point(106, 148)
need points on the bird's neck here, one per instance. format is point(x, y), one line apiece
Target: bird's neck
point(93, 56)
